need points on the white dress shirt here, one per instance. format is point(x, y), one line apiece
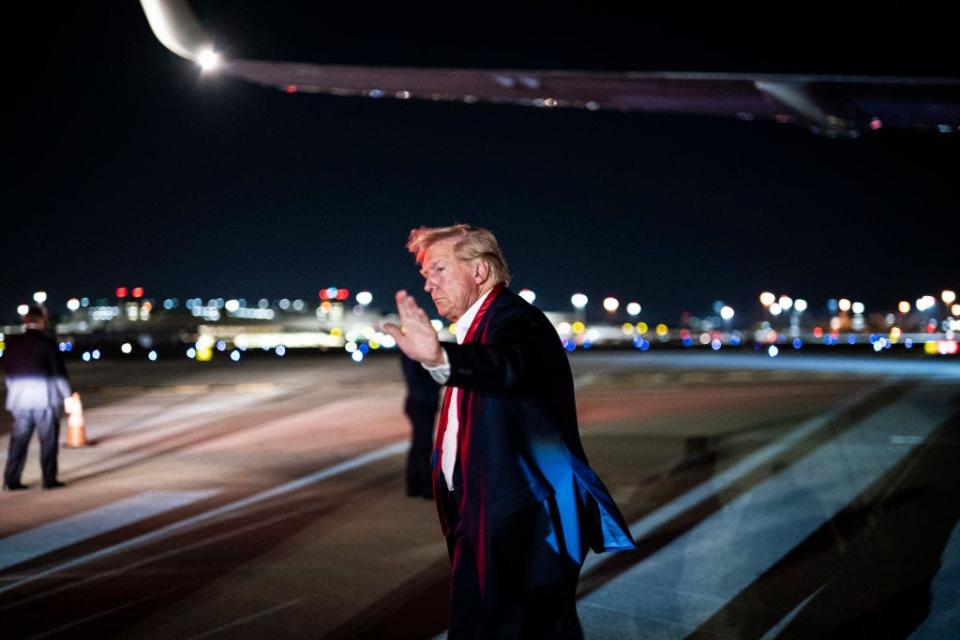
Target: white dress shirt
point(441, 373)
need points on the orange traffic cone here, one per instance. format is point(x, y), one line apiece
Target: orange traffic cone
point(76, 431)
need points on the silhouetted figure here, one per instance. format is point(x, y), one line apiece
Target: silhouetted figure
point(421, 404)
point(37, 384)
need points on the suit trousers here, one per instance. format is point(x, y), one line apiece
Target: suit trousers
point(47, 424)
point(530, 589)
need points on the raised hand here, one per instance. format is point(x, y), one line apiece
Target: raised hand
point(416, 337)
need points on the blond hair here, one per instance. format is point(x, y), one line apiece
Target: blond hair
point(474, 242)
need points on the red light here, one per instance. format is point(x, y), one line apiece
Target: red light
point(138, 292)
point(291, 88)
point(343, 294)
point(323, 294)
point(817, 332)
point(121, 292)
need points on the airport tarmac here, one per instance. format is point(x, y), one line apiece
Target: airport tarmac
point(791, 498)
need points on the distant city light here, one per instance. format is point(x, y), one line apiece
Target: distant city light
point(634, 308)
point(857, 307)
point(726, 312)
point(357, 356)
point(767, 298)
point(800, 305)
point(298, 305)
point(138, 292)
point(86, 356)
point(22, 309)
point(364, 298)
point(611, 304)
point(955, 309)
point(786, 302)
point(662, 330)
point(642, 328)
point(284, 304)
point(235, 355)
point(121, 292)
point(925, 303)
point(191, 353)
point(716, 344)
point(126, 347)
point(95, 354)
point(772, 351)
point(775, 309)
point(579, 300)
point(904, 306)
point(844, 304)
point(528, 295)
point(578, 327)
point(281, 350)
point(948, 296)
point(232, 306)
point(263, 303)
point(84, 302)
point(208, 59)
point(40, 297)
point(152, 356)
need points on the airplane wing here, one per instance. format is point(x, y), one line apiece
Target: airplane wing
point(845, 106)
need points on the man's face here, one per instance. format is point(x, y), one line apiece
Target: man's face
point(449, 280)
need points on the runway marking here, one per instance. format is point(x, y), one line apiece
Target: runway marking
point(163, 532)
point(249, 618)
point(674, 591)
point(778, 628)
point(944, 618)
point(41, 540)
point(715, 484)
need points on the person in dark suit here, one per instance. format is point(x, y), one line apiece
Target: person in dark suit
point(37, 384)
point(517, 500)
point(420, 405)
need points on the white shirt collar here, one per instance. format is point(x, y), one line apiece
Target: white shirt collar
point(462, 326)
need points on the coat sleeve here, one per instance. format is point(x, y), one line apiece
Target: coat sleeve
point(513, 358)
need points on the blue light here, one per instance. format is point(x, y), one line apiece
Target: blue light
point(735, 341)
point(908, 343)
point(688, 341)
point(569, 345)
point(86, 356)
point(281, 350)
point(715, 344)
point(645, 345)
point(851, 339)
point(364, 348)
point(638, 341)
point(873, 338)
point(68, 346)
point(63, 346)
point(586, 344)
point(797, 343)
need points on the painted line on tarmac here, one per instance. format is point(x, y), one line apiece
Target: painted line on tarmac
point(249, 618)
point(288, 487)
point(681, 586)
point(44, 539)
point(714, 485)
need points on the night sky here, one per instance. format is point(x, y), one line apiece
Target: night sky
point(129, 168)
